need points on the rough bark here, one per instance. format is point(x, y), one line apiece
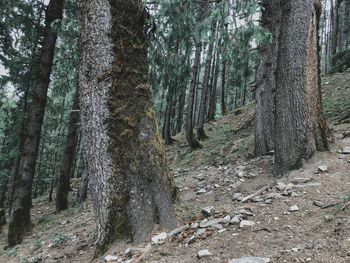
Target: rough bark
point(129, 178)
point(265, 80)
point(298, 115)
point(63, 182)
point(180, 114)
point(194, 144)
point(19, 219)
point(168, 117)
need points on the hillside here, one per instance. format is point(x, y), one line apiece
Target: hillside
point(302, 217)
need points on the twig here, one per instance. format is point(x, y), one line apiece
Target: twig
point(256, 193)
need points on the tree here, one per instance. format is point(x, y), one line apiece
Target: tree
point(300, 127)
point(63, 182)
point(265, 80)
point(129, 178)
point(19, 221)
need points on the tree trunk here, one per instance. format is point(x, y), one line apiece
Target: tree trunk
point(19, 220)
point(168, 116)
point(180, 114)
point(194, 144)
point(265, 80)
point(205, 90)
point(63, 182)
point(129, 177)
point(83, 186)
point(214, 81)
point(300, 127)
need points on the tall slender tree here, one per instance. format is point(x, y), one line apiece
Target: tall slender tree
point(19, 222)
point(129, 177)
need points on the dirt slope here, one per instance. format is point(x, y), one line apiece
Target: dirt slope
point(213, 177)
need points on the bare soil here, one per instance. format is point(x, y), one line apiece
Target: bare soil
point(317, 232)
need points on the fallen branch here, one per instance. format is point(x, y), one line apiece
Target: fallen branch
point(265, 188)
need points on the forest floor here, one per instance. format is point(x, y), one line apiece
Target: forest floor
point(302, 217)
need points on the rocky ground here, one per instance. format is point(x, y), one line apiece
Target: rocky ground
point(231, 205)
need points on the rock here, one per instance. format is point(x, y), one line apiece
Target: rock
point(218, 226)
point(205, 224)
point(158, 239)
point(246, 223)
point(194, 225)
point(323, 168)
point(281, 186)
point(293, 208)
point(346, 150)
point(303, 180)
point(110, 258)
point(236, 196)
point(226, 219)
point(131, 251)
point(204, 253)
point(201, 191)
point(178, 230)
point(268, 201)
point(236, 219)
point(200, 232)
point(208, 211)
point(250, 260)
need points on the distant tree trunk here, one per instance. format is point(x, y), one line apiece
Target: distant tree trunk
point(345, 26)
point(300, 126)
point(335, 37)
point(245, 85)
point(180, 114)
point(205, 90)
point(194, 144)
point(265, 80)
point(223, 84)
point(213, 91)
point(63, 182)
point(83, 186)
point(129, 178)
point(19, 221)
point(168, 116)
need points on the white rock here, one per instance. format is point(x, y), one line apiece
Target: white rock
point(246, 223)
point(209, 223)
point(201, 191)
point(250, 260)
point(178, 230)
point(159, 238)
point(110, 258)
point(323, 168)
point(204, 253)
point(226, 219)
point(346, 150)
point(236, 219)
point(293, 208)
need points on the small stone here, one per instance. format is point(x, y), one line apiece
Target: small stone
point(293, 208)
point(226, 219)
point(236, 219)
point(110, 258)
point(250, 260)
point(236, 196)
point(131, 251)
point(268, 201)
point(281, 186)
point(204, 253)
point(295, 249)
point(201, 191)
point(158, 239)
point(323, 168)
point(194, 225)
point(246, 223)
point(208, 211)
point(222, 230)
point(205, 224)
point(178, 230)
point(218, 226)
point(200, 232)
point(346, 150)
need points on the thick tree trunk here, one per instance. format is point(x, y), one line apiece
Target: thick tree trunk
point(19, 220)
point(129, 177)
point(298, 131)
point(265, 80)
point(63, 182)
point(194, 144)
